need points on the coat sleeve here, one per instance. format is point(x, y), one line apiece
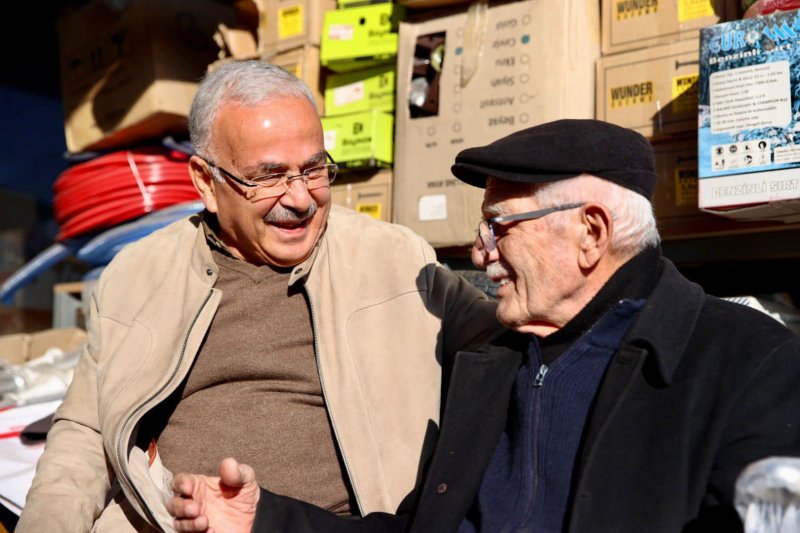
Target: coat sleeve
point(279, 514)
point(468, 314)
point(72, 476)
point(765, 420)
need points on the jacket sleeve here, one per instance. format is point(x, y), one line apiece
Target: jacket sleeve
point(72, 477)
point(279, 514)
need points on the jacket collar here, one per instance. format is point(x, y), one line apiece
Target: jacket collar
point(208, 233)
point(666, 322)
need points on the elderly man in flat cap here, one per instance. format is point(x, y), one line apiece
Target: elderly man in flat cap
point(623, 400)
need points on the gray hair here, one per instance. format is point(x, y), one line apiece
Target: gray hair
point(634, 221)
point(246, 82)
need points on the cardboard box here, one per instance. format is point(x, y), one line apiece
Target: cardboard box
point(676, 188)
point(427, 4)
point(18, 319)
point(653, 91)
point(19, 348)
point(129, 76)
point(634, 24)
point(488, 74)
point(288, 24)
point(675, 199)
point(360, 37)
point(303, 62)
point(748, 149)
point(342, 4)
point(361, 90)
point(368, 192)
point(360, 140)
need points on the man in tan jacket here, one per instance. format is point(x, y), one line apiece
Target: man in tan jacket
point(305, 339)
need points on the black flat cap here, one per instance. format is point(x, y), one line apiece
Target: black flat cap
point(563, 149)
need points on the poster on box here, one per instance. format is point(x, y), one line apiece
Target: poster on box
point(749, 113)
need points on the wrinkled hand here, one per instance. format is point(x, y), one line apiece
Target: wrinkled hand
point(225, 504)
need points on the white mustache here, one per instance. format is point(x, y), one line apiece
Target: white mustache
point(282, 215)
point(496, 270)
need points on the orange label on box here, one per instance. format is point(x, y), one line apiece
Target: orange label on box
point(632, 94)
point(684, 93)
point(694, 9)
point(290, 22)
point(625, 9)
point(373, 210)
point(686, 186)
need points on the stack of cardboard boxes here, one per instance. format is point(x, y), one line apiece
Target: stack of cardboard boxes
point(471, 74)
point(359, 57)
point(403, 87)
point(647, 80)
point(347, 58)
point(128, 74)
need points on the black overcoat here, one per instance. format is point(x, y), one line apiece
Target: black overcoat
point(699, 388)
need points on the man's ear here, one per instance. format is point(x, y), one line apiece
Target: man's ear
point(204, 182)
point(598, 228)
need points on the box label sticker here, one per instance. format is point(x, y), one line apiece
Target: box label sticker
point(686, 187)
point(635, 93)
point(340, 32)
point(694, 9)
point(432, 207)
point(373, 210)
point(290, 22)
point(744, 98)
point(787, 154)
point(684, 93)
point(745, 154)
point(295, 69)
point(329, 139)
point(625, 9)
point(347, 94)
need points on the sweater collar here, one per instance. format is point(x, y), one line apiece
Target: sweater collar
point(210, 227)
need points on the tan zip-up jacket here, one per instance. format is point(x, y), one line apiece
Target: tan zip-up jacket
point(384, 314)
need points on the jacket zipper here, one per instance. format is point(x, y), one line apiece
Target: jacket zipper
point(123, 462)
point(539, 379)
point(325, 396)
point(538, 382)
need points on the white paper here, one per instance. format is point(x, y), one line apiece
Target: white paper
point(18, 460)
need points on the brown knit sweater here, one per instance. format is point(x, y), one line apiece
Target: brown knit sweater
point(254, 392)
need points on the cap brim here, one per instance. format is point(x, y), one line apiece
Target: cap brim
point(477, 175)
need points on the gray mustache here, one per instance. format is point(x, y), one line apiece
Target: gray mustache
point(282, 215)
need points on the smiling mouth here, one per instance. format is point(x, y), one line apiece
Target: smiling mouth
point(498, 274)
point(290, 224)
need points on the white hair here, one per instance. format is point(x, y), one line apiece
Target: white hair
point(634, 221)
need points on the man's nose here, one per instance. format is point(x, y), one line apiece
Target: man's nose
point(479, 255)
point(297, 196)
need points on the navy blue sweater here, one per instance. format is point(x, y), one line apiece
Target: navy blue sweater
point(527, 485)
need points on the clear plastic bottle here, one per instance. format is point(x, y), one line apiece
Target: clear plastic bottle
point(768, 496)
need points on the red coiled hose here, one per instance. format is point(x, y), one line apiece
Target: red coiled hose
point(116, 187)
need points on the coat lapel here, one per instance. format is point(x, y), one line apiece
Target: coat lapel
point(472, 422)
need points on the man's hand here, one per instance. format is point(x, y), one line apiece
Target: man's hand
point(225, 504)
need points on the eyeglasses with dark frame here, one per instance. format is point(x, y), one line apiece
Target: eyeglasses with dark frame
point(486, 226)
point(274, 185)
